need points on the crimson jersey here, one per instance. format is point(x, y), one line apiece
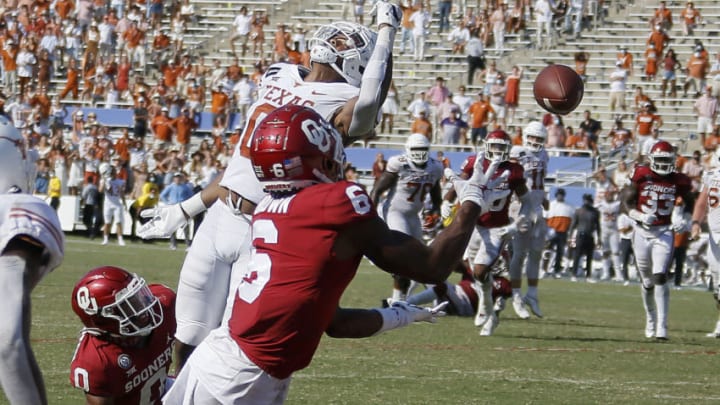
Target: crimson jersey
point(292, 286)
point(498, 216)
point(656, 193)
point(130, 375)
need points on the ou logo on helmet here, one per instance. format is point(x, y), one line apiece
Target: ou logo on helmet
point(319, 134)
point(86, 302)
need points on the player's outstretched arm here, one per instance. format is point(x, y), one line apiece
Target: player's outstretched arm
point(386, 181)
point(361, 323)
point(166, 220)
point(361, 116)
point(20, 375)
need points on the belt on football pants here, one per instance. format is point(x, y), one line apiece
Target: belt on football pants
point(238, 203)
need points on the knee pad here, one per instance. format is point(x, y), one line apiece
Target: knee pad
point(659, 278)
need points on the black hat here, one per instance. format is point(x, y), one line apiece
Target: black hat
point(560, 191)
point(588, 197)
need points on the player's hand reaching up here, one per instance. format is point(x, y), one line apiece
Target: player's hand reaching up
point(387, 13)
point(480, 188)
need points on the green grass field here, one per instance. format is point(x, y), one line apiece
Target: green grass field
point(589, 348)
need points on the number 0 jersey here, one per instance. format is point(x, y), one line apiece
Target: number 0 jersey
point(499, 211)
point(282, 84)
point(413, 184)
point(131, 375)
point(656, 193)
point(711, 183)
point(292, 286)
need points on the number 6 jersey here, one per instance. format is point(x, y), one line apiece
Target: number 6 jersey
point(656, 193)
point(292, 286)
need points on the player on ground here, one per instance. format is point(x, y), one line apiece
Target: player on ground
point(649, 200)
point(31, 246)
point(707, 207)
point(494, 227)
point(610, 242)
point(528, 246)
point(125, 348)
point(310, 234)
point(409, 178)
point(342, 55)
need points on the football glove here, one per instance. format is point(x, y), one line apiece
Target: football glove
point(164, 221)
point(642, 218)
point(387, 13)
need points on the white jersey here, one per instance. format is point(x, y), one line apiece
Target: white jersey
point(609, 212)
point(535, 165)
point(282, 84)
point(22, 214)
point(413, 184)
point(114, 190)
point(624, 222)
point(711, 182)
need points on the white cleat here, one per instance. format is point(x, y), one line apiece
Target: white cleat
point(715, 335)
point(121, 242)
point(661, 333)
point(104, 242)
point(480, 318)
point(534, 305)
point(490, 325)
point(519, 307)
point(650, 327)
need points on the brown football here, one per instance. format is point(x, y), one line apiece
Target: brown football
point(558, 89)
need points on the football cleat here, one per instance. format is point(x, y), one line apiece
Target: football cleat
point(519, 307)
point(661, 333)
point(534, 305)
point(650, 326)
point(490, 325)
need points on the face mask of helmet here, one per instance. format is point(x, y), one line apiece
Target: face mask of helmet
point(136, 309)
point(497, 151)
point(346, 47)
point(662, 164)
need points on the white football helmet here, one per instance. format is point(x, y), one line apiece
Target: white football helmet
point(17, 163)
point(345, 46)
point(534, 136)
point(417, 149)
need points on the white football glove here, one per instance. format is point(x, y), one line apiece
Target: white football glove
point(164, 221)
point(414, 313)
point(480, 187)
point(521, 225)
point(446, 209)
point(387, 13)
point(642, 218)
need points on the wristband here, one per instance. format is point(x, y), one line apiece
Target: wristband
point(393, 318)
point(193, 205)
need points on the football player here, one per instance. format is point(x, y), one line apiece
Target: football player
point(309, 236)
point(342, 55)
point(408, 178)
point(707, 207)
point(528, 246)
point(495, 227)
point(609, 210)
point(649, 200)
point(125, 347)
point(31, 245)
point(113, 188)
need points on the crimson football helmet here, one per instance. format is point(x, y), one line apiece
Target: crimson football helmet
point(497, 146)
point(111, 300)
point(294, 147)
point(346, 47)
point(662, 158)
point(534, 136)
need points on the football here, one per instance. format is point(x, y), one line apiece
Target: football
point(558, 89)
